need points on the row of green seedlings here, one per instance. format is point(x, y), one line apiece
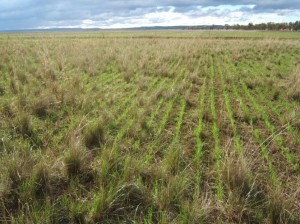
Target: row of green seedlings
point(259, 68)
point(109, 86)
point(130, 119)
point(183, 104)
point(256, 133)
point(103, 79)
point(257, 136)
point(160, 102)
point(276, 135)
point(134, 103)
point(215, 130)
point(125, 105)
point(241, 184)
point(111, 93)
point(173, 150)
point(172, 156)
point(122, 98)
point(116, 108)
point(149, 123)
point(160, 99)
point(289, 107)
point(121, 132)
point(169, 106)
point(97, 206)
point(25, 121)
point(226, 96)
point(198, 131)
point(276, 181)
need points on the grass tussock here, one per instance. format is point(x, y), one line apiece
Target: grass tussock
point(41, 180)
point(293, 85)
point(77, 163)
point(93, 135)
point(24, 125)
point(121, 204)
point(42, 104)
point(201, 210)
point(280, 207)
point(236, 175)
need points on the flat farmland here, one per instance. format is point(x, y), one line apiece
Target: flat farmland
point(150, 127)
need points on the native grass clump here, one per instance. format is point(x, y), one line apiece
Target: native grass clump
point(144, 127)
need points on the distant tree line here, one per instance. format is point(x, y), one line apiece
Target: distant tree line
point(260, 26)
point(266, 26)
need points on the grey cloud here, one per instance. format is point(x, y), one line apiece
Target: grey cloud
point(19, 14)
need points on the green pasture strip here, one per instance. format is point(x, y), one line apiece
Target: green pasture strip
point(262, 93)
point(161, 100)
point(265, 117)
point(215, 131)
point(236, 135)
point(163, 122)
point(121, 133)
point(198, 131)
point(257, 136)
point(179, 120)
point(123, 86)
point(171, 102)
point(290, 156)
point(182, 111)
point(260, 68)
point(176, 137)
point(256, 133)
point(134, 103)
point(103, 79)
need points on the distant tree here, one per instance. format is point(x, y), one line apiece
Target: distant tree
point(250, 26)
point(296, 26)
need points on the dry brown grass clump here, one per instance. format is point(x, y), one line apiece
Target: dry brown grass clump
point(42, 104)
point(24, 125)
point(93, 135)
point(281, 207)
point(77, 162)
point(121, 204)
point(293, 85)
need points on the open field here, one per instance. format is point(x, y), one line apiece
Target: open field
point(165, 127)
point(181, 34)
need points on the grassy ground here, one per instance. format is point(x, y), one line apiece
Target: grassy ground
point(192, 128)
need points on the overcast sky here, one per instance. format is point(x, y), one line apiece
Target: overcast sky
point(29, 14)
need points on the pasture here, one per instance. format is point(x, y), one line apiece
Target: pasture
point(150, 127)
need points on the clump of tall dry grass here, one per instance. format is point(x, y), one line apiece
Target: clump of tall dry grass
point(93, 135)
point(293, 85)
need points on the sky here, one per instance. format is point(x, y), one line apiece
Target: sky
point(40, 14)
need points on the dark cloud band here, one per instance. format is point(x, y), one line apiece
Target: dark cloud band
point(18, 14)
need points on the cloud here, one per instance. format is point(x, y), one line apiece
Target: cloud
point(19, 14)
